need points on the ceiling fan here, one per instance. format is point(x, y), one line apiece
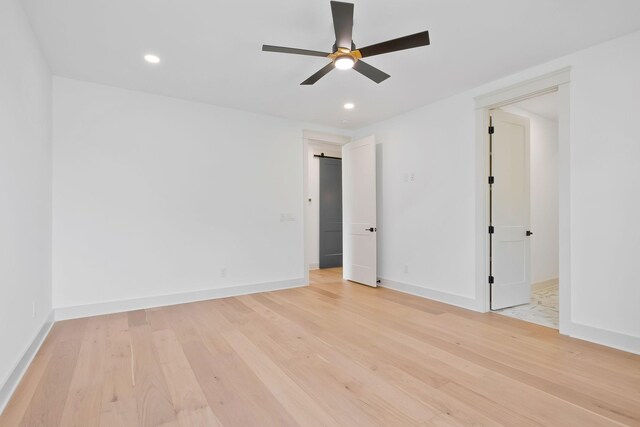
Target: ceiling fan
point(345, 55)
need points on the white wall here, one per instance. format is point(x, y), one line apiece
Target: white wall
point(544, 195)
point(429, 224)
point(155, 196)
point(313, 206)
point(25, 190)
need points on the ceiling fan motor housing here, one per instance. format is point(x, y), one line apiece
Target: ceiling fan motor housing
point(353, 46)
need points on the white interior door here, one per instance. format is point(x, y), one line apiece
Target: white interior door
point(359, 211)
point(510, 211)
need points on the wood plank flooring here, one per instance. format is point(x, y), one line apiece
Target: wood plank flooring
point(333, 353)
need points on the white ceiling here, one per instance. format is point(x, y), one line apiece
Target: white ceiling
point(545, 106)
point(210, 50)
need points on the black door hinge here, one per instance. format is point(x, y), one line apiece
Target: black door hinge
point(491, 130)
point(491, 229)
point(491, 180)
point(490, 279)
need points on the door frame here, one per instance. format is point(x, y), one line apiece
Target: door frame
point(309, 136)
point(556, 81)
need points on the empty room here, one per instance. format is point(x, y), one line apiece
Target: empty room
point(319, 213)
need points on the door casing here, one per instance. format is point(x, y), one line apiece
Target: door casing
point(555, 81)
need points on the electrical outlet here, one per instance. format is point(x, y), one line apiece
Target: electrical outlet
point(412, 176)
point(406, 269)
point(223, 272)
point(34, 312)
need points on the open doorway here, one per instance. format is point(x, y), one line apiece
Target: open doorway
point(324, 205)
point(353, 221)
point(524, 210)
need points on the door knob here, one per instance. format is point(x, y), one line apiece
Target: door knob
point(371, 229)
point(529, 233)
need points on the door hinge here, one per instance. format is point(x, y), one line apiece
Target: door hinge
point(491, 130)
point(491, 180)
point(491, 229)
point(491, 279)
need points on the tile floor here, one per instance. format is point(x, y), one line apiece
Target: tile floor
point(543, 308)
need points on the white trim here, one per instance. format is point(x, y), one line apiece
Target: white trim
point(13, 380)
point(564, 209)
point(327, 138)
point(420, 291)
point(314, 266)
point(527, 89)
point(613, 339)
point(482, 209)
point(558, 80)
point(580, 331)
point(74, 312)
point(305, 211)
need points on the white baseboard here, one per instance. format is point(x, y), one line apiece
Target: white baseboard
point(613, 339)
point(592, 334)
point(88, 310)
point(457, 300)
point(9, 387)
point(314, 266)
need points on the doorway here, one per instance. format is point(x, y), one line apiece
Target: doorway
point(359, 208)
point(324, 205)
point(524, 210)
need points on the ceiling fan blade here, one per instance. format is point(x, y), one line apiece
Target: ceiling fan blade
point(370, 71)
point(320, 74)
point(402, 43)
point(342, 23)
point(293, 50)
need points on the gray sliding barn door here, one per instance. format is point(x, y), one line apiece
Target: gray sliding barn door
point(330, 213)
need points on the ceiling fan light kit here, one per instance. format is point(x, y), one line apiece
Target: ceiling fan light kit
point(344, 62)
point(345, 55)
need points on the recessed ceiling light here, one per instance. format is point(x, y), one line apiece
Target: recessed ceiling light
point(152, 59)
point(344, 62)
point(348, 106)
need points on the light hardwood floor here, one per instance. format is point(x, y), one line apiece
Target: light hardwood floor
point(333, 353)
